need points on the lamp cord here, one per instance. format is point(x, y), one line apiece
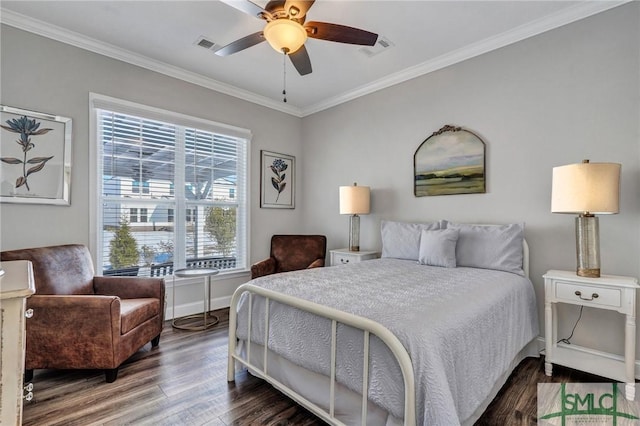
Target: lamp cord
point(567, 339)
point(284, 76)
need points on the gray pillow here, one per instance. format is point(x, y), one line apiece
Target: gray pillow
point(438, 248)
point(401, 240)
point(496, 247)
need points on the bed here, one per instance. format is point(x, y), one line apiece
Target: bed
point(405, 339)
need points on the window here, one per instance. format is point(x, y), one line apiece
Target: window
point(138, 187)
point(171, 189)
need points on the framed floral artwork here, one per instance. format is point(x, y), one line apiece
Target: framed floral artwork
point(35, 157)
point(277, 180)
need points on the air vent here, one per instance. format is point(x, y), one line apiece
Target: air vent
point(203, 41)
point(381, 45)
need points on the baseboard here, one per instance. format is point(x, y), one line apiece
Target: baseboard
point(196, 307)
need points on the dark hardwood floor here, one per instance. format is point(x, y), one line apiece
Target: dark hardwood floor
point(183, 382)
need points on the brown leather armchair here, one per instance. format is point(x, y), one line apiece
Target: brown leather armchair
point(86, 321)
point(291, 253)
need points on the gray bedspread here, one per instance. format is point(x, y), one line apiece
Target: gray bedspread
point(462, 327)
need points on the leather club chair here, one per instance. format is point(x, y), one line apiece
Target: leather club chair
point(82, 321)
point(292, 253)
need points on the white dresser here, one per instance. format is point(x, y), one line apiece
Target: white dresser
point(16, 284)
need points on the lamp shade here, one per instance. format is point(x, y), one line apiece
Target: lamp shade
point(354, 199)
point(586, 188)
point(284, 34)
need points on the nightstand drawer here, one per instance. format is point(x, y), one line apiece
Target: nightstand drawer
point(343, 259)
point(582, 293)
point(346, 257)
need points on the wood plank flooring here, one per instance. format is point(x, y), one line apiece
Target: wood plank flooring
point(183, 382)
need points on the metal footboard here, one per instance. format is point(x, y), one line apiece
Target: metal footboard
point(366, 325)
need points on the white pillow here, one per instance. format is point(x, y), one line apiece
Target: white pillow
point(438, 248)
point(496, 247)
point(401, 240)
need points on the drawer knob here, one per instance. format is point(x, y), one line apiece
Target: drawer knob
point(344, 260)
point(28, 392)
point(593, 295)
point(28, 313)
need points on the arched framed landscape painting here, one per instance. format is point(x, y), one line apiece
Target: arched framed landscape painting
point(450, 161)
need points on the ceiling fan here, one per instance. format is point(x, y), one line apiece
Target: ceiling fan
point(286, 30)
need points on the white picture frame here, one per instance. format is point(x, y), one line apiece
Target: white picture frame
point(35, 157)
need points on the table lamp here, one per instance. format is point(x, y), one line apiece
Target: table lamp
point(354, 200)
point(586, 189)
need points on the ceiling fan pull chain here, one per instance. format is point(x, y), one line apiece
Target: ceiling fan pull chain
point(284, 75)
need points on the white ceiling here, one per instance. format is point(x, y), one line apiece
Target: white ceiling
point(427, 35)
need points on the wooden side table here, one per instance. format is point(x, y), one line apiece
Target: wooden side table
point(344, 256)
point(207, 273)
point(609, 292)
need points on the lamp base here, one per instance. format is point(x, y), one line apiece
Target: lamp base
point(354, 233)
point(591, 273)
point(588, 246)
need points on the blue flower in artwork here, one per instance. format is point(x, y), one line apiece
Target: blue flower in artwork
point(278, 167)
point(26, 127)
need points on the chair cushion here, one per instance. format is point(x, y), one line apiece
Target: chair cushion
point(134, 312)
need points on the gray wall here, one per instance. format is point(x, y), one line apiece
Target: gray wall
point(555, 99)
point(44, 75)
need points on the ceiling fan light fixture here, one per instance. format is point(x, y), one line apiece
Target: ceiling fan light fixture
point(285, 35)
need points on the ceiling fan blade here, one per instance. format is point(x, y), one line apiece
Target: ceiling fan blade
point(246, 6)
point(241, 44)
point(300, 60)
point(340, 33)
point(298, 8)
point(274, 7)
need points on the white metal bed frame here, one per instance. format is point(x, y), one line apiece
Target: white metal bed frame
point(336, 316)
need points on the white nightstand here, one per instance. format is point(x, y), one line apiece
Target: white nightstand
point(610, 292)
point(344, 256)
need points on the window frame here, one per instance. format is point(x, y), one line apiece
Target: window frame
point(98, 101)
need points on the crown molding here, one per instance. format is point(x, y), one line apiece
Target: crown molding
point(564, 17)
point(66, 36)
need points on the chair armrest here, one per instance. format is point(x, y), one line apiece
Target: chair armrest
point(130, 287)
point(264, 267)
point(318, 263)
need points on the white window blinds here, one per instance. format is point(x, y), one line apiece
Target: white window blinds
point(172, 191)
